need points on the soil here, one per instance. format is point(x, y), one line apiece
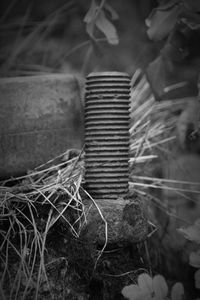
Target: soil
point(72, 271)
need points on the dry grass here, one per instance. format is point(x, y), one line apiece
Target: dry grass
point(56, 188)
point(153, 140)
point(24, 237)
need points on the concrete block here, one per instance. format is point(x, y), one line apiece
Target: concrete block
point(41, 117)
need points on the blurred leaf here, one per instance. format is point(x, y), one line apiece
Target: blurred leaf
point(192, 20)
point(90, 29)
point(164, 5)
point(161, 22)
point(156, 76)
point(197, 279)
point(113, 13)
point(96, 17)
point(91, 14)
point(145, 283)
point(105, 26)
point(194, 259)
point(177, 292)
point(97, 48)
point(160, 287)
point(132, 292)
point(142, 291)
point(173, 52)
point(90, 18)
point(192, 233)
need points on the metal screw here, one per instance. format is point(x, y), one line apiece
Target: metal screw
point(107, 134)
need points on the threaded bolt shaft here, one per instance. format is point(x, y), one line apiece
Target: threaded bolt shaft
point(107, 134)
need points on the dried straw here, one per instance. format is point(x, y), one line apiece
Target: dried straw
point(57, 185)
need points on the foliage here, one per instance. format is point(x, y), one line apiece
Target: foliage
point(155, 288)
point(96, 18)
point(32, 47)
point(192, 233)
point(175, 25)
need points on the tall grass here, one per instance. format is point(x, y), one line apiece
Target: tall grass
point(26, 48)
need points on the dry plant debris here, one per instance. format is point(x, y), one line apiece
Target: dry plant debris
point(31, 205)
point(50, 189)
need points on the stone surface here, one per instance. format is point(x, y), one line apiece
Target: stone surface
point(41, 117)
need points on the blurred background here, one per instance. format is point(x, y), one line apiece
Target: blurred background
point(51, 36)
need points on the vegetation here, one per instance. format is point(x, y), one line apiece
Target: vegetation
point(175, 25)
point(42, 213)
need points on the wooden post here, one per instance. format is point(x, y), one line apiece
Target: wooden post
point(41, 117)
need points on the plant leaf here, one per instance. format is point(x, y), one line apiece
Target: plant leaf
point(194, 259)
point(105, 26)
point(145, 283)
point(177, 292)
point(90, 18)
point(164, 5)
point(90, 15)
point(90, 29)
point(96, 17)
point(161, 22)
point(156, 76)
point(190, 19)
point(192, 233)
point(131, 292)
point(160, 287)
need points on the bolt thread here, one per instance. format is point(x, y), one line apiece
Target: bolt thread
point(107, 101)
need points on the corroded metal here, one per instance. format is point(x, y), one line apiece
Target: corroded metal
point(107, 134)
